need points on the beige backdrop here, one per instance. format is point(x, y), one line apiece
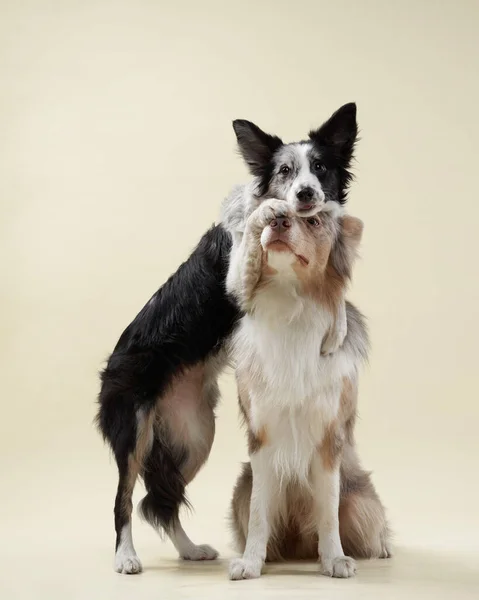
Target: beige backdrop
point(116, 149)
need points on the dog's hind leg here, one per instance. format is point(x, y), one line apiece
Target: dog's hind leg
point(200, 439)
point(182, 442)
point(129, 467)
point(187, 549)
point(363, 525)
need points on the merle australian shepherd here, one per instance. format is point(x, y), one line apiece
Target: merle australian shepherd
point(304, 494)
point(159, 389)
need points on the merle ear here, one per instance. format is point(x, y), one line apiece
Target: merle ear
point(340, 131)
point(256, 146)
point(345, 248)
point(352, 230)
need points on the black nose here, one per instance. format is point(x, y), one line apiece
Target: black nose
point(305, 194)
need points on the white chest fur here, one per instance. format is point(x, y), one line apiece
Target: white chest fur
point(293, 434)
point(293, 390)
point(279, 347)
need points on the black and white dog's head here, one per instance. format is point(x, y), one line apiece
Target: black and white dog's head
point(308, 174)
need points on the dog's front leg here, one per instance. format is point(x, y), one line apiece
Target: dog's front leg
point(325, 476)
point(264, 496)
point(337, 332)
point(245, 268)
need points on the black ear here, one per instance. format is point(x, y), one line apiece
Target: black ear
point(340, 131)
point(256, 146)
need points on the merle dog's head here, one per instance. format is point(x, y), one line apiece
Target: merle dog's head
point(307, 174)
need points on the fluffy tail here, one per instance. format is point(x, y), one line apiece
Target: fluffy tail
point(164, 484)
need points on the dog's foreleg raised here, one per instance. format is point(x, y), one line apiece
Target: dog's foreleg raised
point(246, 257)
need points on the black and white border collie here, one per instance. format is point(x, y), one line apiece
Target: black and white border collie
point(159, 389)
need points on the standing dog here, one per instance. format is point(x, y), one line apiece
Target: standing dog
point(303, 494)
point(159, 388)
point(158, 395)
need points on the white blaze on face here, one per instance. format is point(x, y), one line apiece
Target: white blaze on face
point(305, 178)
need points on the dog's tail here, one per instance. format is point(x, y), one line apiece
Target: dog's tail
point(141, 449)
point(165, 485)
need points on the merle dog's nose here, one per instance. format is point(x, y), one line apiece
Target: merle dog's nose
point(305, 194)
point(280, 223)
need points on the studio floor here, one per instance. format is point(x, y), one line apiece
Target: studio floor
point(57, 520)
point(57, 539)
point(86, 574)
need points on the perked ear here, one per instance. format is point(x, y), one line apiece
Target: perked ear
point(352, 230)
point(256, 146)
point(346, 245)
point(340, 131)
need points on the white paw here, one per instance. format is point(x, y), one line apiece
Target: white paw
point(386, 552)
point(202, 552)
point(128, 564)
point(269, 210)
point(241, 568)
point(342, 566)
point(333, 341)
point(336, 335)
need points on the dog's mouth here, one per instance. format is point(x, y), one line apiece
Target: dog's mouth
point(306, 207)
point(282, 246)
point(309, 209)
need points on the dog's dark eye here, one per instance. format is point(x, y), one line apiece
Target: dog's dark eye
point(319, 167)
point(313, 221)
point(284, 170)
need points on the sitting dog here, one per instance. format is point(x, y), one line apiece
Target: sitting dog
point(159, 389)
point(304, 494)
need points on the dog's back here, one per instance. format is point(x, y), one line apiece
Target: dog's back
point(168, 335)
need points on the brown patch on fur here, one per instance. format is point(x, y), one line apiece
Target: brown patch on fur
point(352, 229)
point(331, 445)
point(268, 271)
point(323, 283)
point(335, 254)
point(132, 476)
point(256, 440)
point(347, 408)
point(341, 429)
point(135, 459)
point(243, 399)
point(144, 437)
point(189, 399)
point(348, 400)
point(345, 247)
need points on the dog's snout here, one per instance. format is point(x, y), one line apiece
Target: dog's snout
point(305, 194)
point(280, 223)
